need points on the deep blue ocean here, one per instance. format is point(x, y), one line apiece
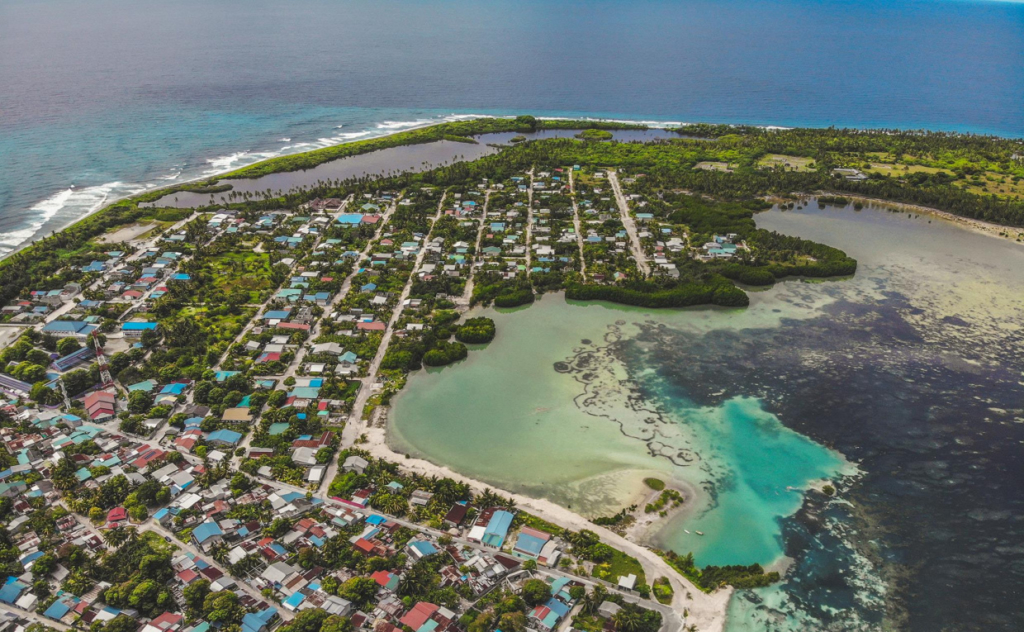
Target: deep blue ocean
point(103, 98)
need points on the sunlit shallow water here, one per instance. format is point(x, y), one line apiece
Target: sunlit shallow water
point(902, 385)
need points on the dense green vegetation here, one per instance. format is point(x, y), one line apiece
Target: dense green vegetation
point(972, 176)
point(655, 483)
point(712, 577)
point(476, 331)
point(662, 294)
point(595, 134)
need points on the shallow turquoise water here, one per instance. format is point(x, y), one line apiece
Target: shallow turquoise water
point(760, 469)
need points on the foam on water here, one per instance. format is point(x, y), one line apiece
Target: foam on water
point(72, 203)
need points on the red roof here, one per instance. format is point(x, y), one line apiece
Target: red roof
point(298, 326)
point(187, 576)
point(419, 615)
point(364, 545)
point(117, 514)
point(381, 577)
point(187, 443)
point(98, 397)
point(374, 326)
point(167, 621)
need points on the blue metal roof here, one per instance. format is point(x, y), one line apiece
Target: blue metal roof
point(205, 531)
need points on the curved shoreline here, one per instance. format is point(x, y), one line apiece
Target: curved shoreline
point(706, 610)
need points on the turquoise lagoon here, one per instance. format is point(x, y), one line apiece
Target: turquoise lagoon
point(584, 437)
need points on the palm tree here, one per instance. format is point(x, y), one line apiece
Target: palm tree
point(627, 620)
point(131, 535)
point(115, 537)
point(594, 599)
point(220, 553)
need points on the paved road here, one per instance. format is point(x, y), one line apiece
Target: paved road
point(529, 225)
point(354, 426)
point(467, 294)
point(627, 221)
point(577, 224)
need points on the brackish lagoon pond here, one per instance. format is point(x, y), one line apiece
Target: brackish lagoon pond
point(387, 161)
point(901, 385)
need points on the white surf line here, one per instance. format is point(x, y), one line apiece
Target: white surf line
point(627, 221)
point(578, 225)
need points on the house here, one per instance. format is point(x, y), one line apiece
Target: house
point(355, 464)
point(608, 609)
point(135, 329)
point(455, 515)
point(68, 328)
point(100, 405)
point(224, 437)
point(167, 622)
point(305, 456)
point(259, 621)
point(419, 549)
point(418, 615)
point(530, 543)
point(206, 535)
point(491, 528)
point(116, 516)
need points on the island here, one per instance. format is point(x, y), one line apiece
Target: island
point(188, 389)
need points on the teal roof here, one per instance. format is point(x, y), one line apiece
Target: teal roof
point(144, 386)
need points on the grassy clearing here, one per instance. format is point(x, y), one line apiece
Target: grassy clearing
point(662, 590)
point(711, 165)
point(248, 271)
point(995, 184)
point(890, 169)
point(620, 566)
point(791, 163)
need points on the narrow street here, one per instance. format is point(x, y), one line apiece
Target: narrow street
point(627, 221)
point(577, 224)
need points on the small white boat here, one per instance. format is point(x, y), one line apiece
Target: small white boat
point(686, 530)
point(700, 533)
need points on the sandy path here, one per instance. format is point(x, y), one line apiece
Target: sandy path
point(627, 221)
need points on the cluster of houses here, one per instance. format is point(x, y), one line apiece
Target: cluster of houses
point(721, 247)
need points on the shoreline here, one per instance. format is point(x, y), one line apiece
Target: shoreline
point(159, 186)
point(706, 610)
point(967, 223)
point(107, 204)
point(648, 526)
